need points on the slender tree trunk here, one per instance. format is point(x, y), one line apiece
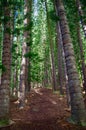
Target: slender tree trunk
point(6, 61)
point(12, 37)
point(24, 64)
point(81, 47)
point(62, 73)
point(0, 48)
point(60, 59)
point(46, 70)
point(81, 14)
point(27, 73)
point(22, 77)
point(82, 56)
point(54, 81)
point(28, 49)
point(15, 80)
point(78, 112)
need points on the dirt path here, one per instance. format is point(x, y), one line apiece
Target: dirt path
point(44, 110)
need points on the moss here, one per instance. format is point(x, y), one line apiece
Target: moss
point(4, 122)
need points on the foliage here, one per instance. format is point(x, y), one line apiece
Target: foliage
point(38, 27)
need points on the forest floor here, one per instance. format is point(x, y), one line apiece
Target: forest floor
point(44, 110)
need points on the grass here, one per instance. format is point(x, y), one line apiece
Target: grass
point(4, 122)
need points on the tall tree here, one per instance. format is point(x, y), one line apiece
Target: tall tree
point(80, 41)
point(6, 61)
point(78, 112)
point(28, 42)
point(54, 80)
point(61, 66)
point(24, 63)
point(81, 14)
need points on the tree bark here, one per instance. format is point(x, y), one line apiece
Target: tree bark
point(24, 63)
point(54, 80)
point(81, 14)
point(28, 49)
point(81, 47)
point(46, 69)
point(60, 60)
point(78, 112)
point(6, 61)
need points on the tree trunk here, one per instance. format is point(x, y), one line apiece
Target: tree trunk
point(54, 81)
point(78, 112)
point(60, 59)
point(81, 14)
point(1, 40)
point(46, 70)
point(28, 49)
point(22, 77)
point(6, 61)
point(24, 63)
point(27, 73)
point(81, 48)
point(15, 81)
point(82, 56)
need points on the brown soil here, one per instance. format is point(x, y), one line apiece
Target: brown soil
point(44, 110)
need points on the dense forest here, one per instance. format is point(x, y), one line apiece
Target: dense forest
point(42, 61)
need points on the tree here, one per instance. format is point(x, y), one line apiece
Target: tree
point(61, 60)
point(80, 41)
point(54, 80)
point(78, 113)
point(6, 61)
point(25, 51)
point(81, 15)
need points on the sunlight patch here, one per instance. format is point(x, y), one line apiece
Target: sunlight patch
point(38, 91)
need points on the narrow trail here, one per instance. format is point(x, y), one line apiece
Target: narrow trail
point(42, 104)
point(44, 110)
